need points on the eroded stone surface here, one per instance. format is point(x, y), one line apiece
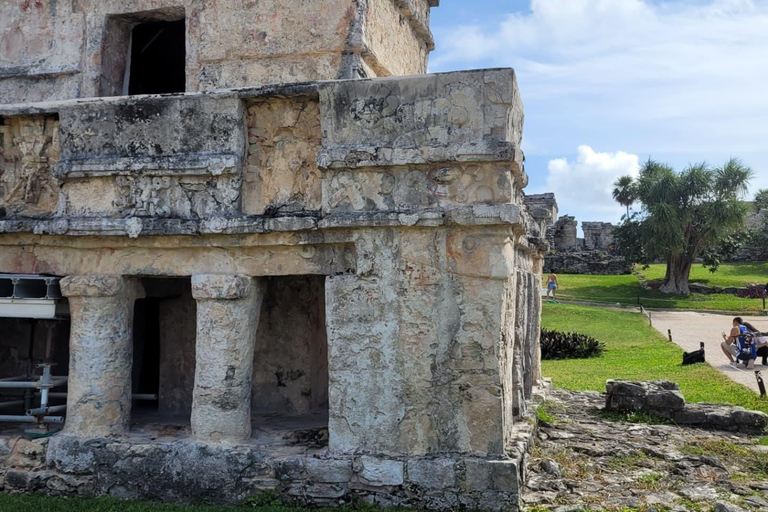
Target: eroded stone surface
point(228, 310)
point(61, 50)
point(613, 465)
point(99, 386)
point(388, 218)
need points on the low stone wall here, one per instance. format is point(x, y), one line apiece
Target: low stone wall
point(663, 399)
point(185, 471)
point(586, 262)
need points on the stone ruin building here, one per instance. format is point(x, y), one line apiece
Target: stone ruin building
point(596, 253)
point(240, 251)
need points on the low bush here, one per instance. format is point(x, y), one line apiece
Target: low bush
point(569, 345)
point(751, 292)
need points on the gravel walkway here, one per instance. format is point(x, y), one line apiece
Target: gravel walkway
point(689, 329)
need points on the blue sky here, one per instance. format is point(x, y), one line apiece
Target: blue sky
point(609, 83)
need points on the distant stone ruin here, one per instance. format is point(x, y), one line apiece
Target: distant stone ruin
point(596, 253)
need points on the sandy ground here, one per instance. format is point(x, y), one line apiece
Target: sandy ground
point(689, 329)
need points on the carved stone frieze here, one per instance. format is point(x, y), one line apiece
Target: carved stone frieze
point(189, 197)
point(29, 147)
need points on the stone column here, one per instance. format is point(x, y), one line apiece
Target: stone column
point(101, 353)
point(228, 308)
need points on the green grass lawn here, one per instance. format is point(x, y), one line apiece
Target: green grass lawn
point(626, 289)
point(635, 351)
point(729, 274)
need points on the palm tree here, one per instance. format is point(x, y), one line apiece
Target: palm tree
point(624, 192)
point(761, 199)
point(683, 213)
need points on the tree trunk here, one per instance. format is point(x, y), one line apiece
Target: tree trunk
point(678, 271)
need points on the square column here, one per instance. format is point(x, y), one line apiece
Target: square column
point(228, 308)
point(101, 353)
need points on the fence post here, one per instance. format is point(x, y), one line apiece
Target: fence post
point(760, 383)
point(669, 332)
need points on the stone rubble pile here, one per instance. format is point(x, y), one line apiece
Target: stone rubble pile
point(584, 461)
point(663, 399)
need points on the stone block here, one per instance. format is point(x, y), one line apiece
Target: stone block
point(754, 420)
point(290, 469)
point(220, 286)
point(624, 388)
point(498, 475)
point(720, 418)
point(91, 286)
point(432, 474)
point(666, 400)
point(691, 415)
point(381, 472)
point(329, 471)
point(328, 491)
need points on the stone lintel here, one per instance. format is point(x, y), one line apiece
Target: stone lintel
point(93, 286)
point(220, 286)
point(135, 227)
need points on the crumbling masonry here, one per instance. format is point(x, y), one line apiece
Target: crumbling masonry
point(330, 289)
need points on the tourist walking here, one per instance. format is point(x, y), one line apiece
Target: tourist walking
point(552, 285)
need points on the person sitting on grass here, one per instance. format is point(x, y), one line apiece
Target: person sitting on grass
point(761, 343)
point(738, 345)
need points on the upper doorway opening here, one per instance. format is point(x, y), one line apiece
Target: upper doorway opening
point(157, 58)
point(144, 53)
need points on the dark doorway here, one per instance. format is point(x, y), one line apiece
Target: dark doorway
point(164, 328)
point(158, 58)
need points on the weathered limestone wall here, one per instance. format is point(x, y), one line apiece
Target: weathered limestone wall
point(281, 174)
point(406, 200)
point(53, 50)
point(177, 352)
point(565, 233)
point(598, 235)
point(290, 366)
point(386, 27)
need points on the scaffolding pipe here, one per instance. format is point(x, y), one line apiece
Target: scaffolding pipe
point(9, 404)
point(31, 419)
point(54, 383)
point(46, 410)
point(135, 396)
point(13, 378)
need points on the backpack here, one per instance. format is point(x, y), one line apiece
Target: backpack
point(697, 356)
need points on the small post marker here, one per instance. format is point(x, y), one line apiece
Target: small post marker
point(760, 383)
point(669, 332)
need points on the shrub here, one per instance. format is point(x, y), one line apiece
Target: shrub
point(756, 291)
point(569, 345)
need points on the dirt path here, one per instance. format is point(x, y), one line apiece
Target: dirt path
point(689, 329)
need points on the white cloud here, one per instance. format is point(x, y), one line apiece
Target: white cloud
point(672, 77)
point(584, 187)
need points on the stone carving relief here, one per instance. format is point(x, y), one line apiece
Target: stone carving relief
point(166, 196)
point(29, 147)
point(143, 197)
point(283, 140)
point(439, 186)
